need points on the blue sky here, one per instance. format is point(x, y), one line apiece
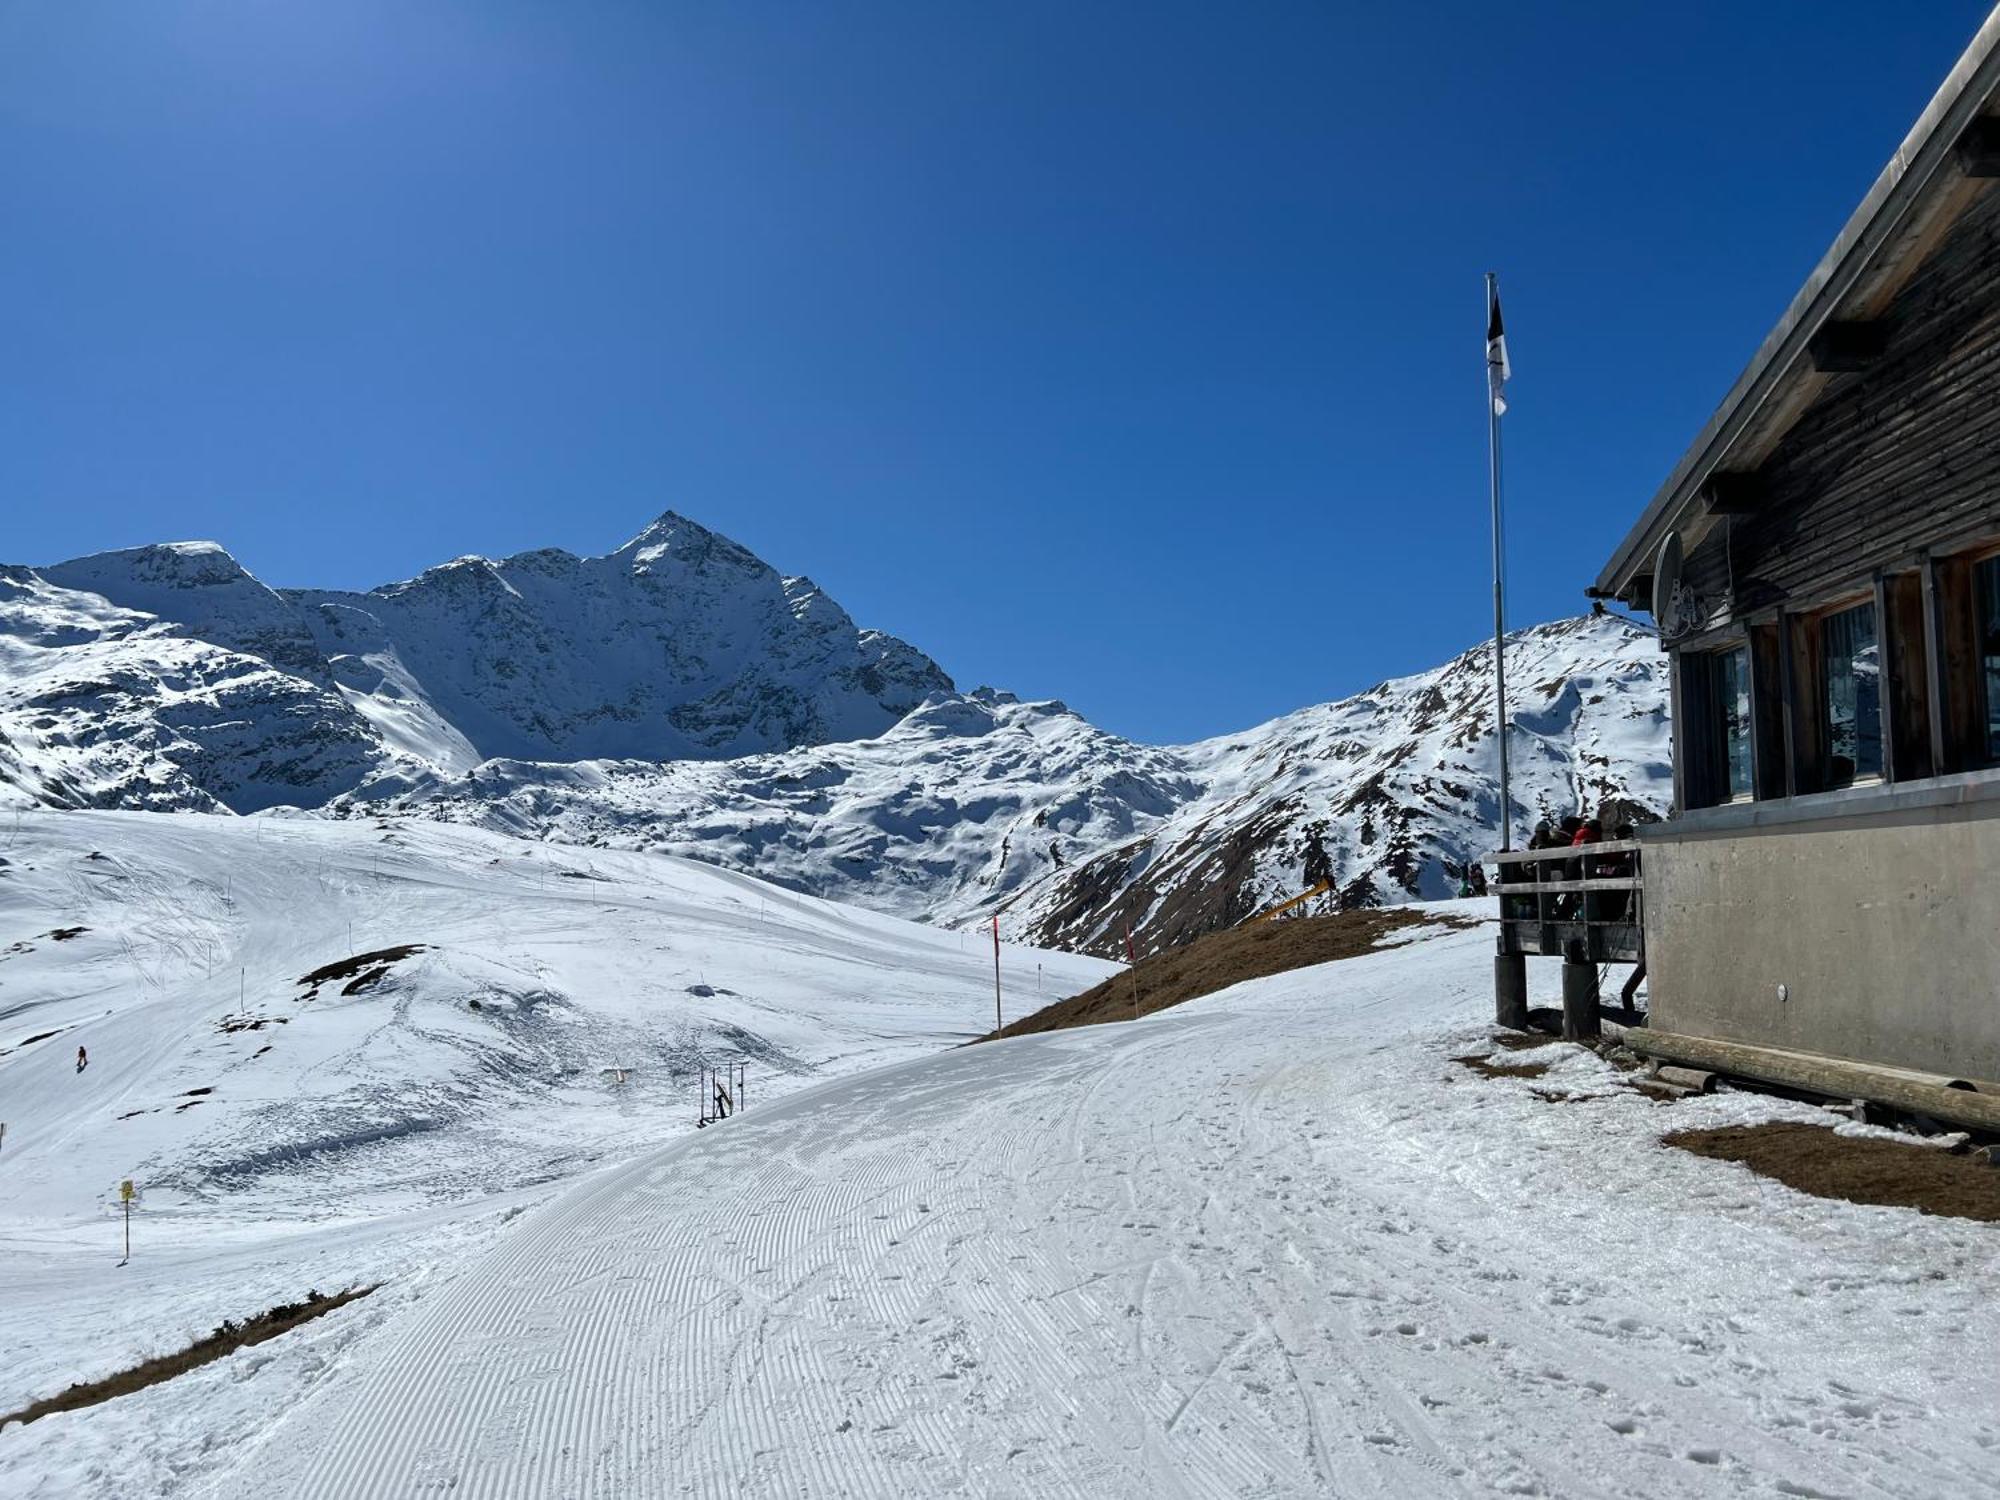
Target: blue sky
point(1128, 354)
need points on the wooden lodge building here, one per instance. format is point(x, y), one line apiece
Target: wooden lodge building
point(1823, 907)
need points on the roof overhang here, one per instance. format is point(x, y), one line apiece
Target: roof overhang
point(1950, 155)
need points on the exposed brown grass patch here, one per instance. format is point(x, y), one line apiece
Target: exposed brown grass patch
point(1485, 1067)
point(1855, 1169)
point(1217, 960)
point(227, 1339)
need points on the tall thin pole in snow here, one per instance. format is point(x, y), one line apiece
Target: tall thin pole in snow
point(996, 972)
point(1132, 969)
point(1499, 603)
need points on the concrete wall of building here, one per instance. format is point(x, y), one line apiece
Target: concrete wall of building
point(1877, 910)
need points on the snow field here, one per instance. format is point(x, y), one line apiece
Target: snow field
point(1269, 1243)
point(388, 1135)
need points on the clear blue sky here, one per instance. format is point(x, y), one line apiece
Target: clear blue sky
point(1125, 353)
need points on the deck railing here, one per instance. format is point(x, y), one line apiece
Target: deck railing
point(1585, 903)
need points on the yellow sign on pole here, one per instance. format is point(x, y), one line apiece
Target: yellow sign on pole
point(126, 1193)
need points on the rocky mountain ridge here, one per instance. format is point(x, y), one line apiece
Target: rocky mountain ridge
point(168, 677)
point(980, 805)
point(680, 695)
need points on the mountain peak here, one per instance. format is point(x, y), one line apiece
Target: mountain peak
point(674, 539)
point(195, 564)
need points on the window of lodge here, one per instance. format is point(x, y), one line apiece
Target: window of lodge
point(1851, 701)
point(1731, 706)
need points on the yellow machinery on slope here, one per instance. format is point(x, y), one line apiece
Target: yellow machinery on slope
point(1284, 906)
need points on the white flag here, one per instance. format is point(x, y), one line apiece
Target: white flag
point(1497, 368)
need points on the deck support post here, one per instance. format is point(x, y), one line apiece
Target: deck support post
point(1510, 991)
point(1580, 1018)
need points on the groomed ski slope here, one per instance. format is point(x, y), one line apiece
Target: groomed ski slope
point(286, 1137)
point(1272, 1243)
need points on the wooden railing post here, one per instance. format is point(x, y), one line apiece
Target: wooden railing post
point(1581, 1022)
point(1510, 990)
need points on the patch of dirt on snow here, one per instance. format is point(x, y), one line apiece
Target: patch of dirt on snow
point(1855, 1169)
point(227, 1339)
point(348, 968)
point(1218, 960)
point(232, 1024)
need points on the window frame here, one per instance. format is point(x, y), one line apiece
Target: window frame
point(1932, 696)
point(1985, 711)
point(1719, 710)
point(1959, 705)
point(1817, 620)
point(1701, 740)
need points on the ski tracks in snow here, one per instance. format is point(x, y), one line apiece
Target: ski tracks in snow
point(1238, 1249)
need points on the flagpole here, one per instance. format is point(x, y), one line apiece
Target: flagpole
point(1499, 604)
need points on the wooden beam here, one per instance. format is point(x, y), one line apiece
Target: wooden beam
point(1788, 708)
point(1934, 678)
point(1732, 492)
point(1886, 721)
point(1842, 347)
point(1919, 1093)
point(1978, 149)
point(1677, 730)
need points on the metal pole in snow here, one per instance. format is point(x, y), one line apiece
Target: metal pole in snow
point(996, 972)
point(1132, 968)
point(1499, 607)
point(126, 1193)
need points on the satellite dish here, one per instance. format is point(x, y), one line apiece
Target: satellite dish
point(1668, 611)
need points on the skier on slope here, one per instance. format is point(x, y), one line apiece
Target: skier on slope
point(82, 1059)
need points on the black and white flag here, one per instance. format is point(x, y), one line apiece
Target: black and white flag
point(1497, 368)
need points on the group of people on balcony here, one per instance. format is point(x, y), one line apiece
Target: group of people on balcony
point(1571, 833)
point(1577, 832)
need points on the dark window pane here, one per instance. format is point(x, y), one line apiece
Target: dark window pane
point(1986, 585)
point(1732, 712)
point(1853, 695)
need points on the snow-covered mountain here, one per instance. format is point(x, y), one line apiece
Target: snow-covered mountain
point(168, 677)
point(107, 706)
point(679, 645)
point(978, 804)
point(680, 695)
